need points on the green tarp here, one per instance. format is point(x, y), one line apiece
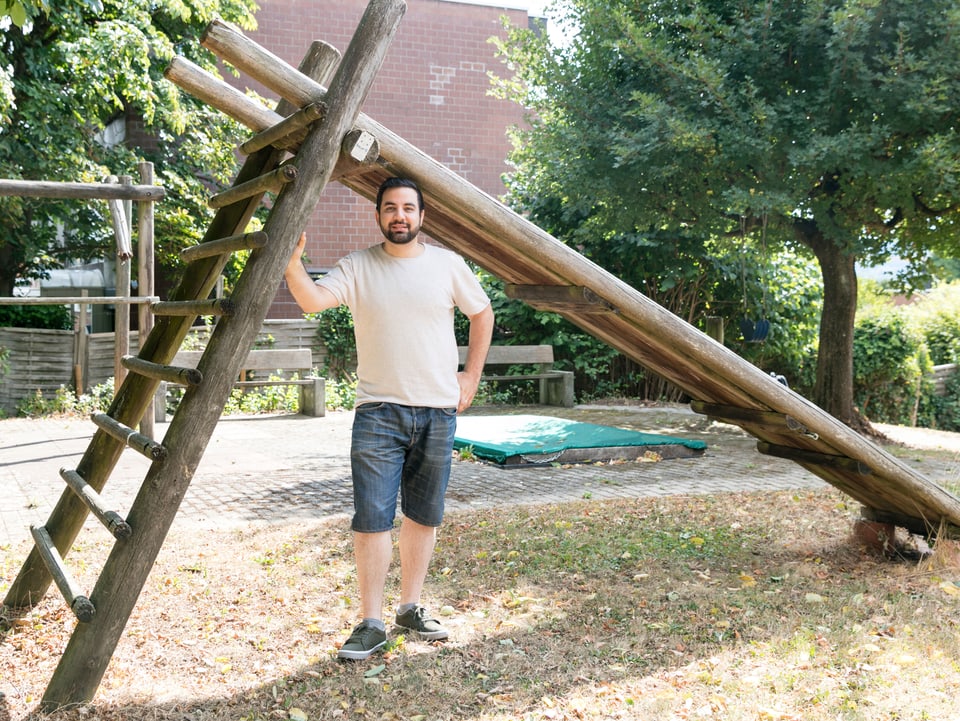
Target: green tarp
point(532, 439)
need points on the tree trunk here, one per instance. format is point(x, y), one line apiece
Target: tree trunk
point(8, 275)
point(833, 390)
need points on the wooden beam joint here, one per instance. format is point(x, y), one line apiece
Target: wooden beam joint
point(559, 298)
point(814, 458)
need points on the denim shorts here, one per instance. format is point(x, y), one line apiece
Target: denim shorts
point(400, 451)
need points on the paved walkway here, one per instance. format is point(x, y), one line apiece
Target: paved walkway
point(291, 468)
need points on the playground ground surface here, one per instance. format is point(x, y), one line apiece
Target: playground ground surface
point(726, 586)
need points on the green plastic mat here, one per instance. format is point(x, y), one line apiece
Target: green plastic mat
point(531, 439)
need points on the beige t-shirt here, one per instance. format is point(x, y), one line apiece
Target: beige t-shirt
point(403, 310)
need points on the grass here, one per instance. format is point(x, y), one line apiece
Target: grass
point(735, 606)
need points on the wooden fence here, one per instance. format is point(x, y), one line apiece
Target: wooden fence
point(45, 360)
point(941, 374)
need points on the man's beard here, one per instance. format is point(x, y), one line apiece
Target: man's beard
point(401, 237)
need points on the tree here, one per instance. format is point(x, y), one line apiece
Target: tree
point(829, 125)
point(75, 69)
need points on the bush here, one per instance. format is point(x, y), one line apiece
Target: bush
point(335, 331)
point(50, 317)
point(66, 402)
point(937, 316)
point(890, 368)
point(943, 412)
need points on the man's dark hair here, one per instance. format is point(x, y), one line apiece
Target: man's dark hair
point(398, 183)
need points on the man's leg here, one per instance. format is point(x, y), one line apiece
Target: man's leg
point(373, 553)
point(416, 550)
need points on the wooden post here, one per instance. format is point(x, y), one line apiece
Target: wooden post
point(715, 328)
point(126, 570)
point(121, 312)
point(80, 349)
point(145, 276)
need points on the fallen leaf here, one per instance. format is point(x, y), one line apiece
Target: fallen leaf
point(375, 671)
point(950, 588)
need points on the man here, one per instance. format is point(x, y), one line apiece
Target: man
point(402, 294)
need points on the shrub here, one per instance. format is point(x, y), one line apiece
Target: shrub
point(50, 317)
point(890, 365)
point(943, 412)
point(335, 331)
point(66, 402)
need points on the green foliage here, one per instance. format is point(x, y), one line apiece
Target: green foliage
point(20, 11)
point(663, 127)
point(784, 289)
point(340, 394)
point(66, 402)
point(265, 399)
point(898, 341)
point(52, 317)
point(943, 412)
point(335, 331)
point(937, 316)
point(84, 66)
point(890, 362)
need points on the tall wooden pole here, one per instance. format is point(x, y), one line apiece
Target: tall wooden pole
point(145, 275)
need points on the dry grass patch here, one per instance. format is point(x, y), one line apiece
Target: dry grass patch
point(752, 606)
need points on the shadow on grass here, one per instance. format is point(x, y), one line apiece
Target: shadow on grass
point(744, 606)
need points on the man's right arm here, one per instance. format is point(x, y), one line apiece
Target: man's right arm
point(311, 297)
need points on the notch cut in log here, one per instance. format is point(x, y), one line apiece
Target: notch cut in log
point(125, 434)
point(160, 372)
point(559, 298)
point(217, 306)
point(112, 520)
point(813, 458)
point(233, 244)
point(288, 132)
point(81, 606)
point(270, 182)
point(361, 147)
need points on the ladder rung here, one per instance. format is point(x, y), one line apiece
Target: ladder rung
point(247, 241)
point(81, 606)
point(137, 441)
point(217, 306)
point(270, 182)
point(285, 128)
point(171, 374)
point(111, 519)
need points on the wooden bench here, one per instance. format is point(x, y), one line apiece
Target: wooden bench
point(556, 386)
point(312, 392)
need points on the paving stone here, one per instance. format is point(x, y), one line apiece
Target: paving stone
point(278, 469)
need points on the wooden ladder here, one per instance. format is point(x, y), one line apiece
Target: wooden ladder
point(315, 135)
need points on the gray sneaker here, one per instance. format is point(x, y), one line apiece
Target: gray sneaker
point(363, 642)
point(418, 621)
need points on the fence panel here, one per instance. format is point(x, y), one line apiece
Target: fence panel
point(941, 374)
point(44, 358)
point(39, 359)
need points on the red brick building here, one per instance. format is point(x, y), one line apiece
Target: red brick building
point(433, 91)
